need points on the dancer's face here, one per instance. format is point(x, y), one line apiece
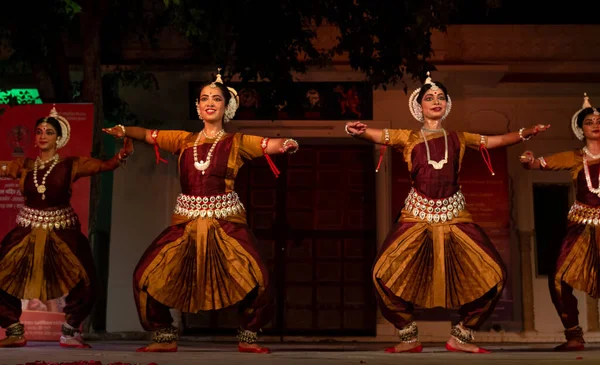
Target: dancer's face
point(591, 127)
point(45, 136)
point(211, 104)
point(434, 104)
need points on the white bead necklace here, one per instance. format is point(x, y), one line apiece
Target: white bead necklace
point(588, 180)
point(592, 156)
point(41, 188)
point(203, 165)
point(436, 164)
point(43, 163)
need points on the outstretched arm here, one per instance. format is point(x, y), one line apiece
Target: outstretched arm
point(512, 138)
point(136, 133)
point(360, 130)
point(275, 146)
point(92, 166)
point(386, 137)
point(559, 161)
point(254, 146)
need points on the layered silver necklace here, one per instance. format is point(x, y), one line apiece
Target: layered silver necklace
point(438, 165)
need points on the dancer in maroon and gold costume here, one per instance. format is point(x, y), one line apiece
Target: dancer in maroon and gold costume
point(46, 256)
point(578, 262)
point(208, 258)
point(435, 256)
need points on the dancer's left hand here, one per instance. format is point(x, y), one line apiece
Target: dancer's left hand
point(540, 128)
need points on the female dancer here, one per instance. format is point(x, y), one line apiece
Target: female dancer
point(208, 258)
point(577, 264)
point(435, 256)
point(46, 256)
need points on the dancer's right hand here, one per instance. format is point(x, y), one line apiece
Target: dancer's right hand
point(527, 157)
point(356, 128)
point(115, 131)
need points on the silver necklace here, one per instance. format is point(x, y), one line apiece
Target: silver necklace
point(436, 164)
point(203, 165)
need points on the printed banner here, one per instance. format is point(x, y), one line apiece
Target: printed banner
point(42, 320)
point(488, 202)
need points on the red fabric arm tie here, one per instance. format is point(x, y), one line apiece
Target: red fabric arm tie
point(381, 154)
point(154, 135)
point(486, 158)
point(263, 144)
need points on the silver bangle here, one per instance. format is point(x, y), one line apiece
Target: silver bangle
point(348, 132)
point(521, 135)
point(293, 142)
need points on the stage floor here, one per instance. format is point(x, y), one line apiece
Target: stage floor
point(294, 353)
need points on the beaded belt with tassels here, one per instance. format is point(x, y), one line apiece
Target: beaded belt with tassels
point(216, 206)
point(57, 218)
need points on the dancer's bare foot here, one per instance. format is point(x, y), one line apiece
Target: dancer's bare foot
point(405, 347)
point(458, 346)
point(163, 340)
point(71, 337)
point(575, 341)
point(75, 342)
point(15, 336)
point(575, 344)
point(252, 348)
point(247, 342)
point(13, 341)
point(461, 340)
point(159, 347)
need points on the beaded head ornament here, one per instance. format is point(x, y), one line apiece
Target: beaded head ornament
point(586, 104)
point(415, 108)
point(233, 104)
point(65, 128)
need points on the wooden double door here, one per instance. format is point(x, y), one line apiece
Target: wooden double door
point(316, 229)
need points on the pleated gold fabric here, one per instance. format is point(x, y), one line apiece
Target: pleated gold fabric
point(437, 265)
point(580, 266)
point(203, 270)
point(41, 266)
